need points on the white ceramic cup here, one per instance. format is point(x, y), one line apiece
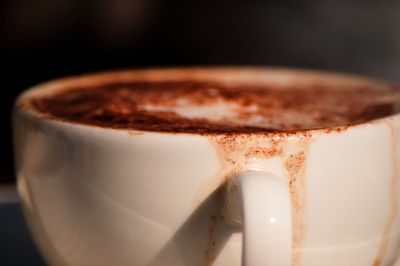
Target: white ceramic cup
point(102, 196)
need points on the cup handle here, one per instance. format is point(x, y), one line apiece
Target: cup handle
point(265, 212)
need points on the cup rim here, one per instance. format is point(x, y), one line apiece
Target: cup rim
point(219, 73)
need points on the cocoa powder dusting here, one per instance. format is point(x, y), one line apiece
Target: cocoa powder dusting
point(201, 106)
point(393, 196)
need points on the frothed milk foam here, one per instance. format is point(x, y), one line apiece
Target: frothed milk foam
point(207, 104)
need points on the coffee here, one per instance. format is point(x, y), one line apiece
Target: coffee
point(212, 106)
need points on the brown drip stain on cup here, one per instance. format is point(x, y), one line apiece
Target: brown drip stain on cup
point(215, 221)
point(238, 152)
point(393, 194)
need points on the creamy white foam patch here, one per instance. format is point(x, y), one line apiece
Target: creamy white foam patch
point(232, 113)
point(218, 111)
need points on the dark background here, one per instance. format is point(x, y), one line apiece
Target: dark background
point(45, 39)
